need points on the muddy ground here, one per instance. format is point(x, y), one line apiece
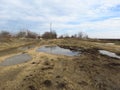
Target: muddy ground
point(88, 71)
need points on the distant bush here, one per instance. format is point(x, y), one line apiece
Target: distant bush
point(74, 36)
point(5, 34)
point(21, 34)
point(26, 34)
point(61, 37)
point(31, 34)
point(50, 35)
point(80, 35)
point(66, 36)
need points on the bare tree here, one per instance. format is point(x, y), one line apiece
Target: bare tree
point(86, 36)
point(5, 34)
point(21, 34)
point(66, 36)
point(50, 35)
point(80, 35)
point(61, 36)
point(31, 34)
point(74, 36)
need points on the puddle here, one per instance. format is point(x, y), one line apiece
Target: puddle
point(110, 54)
point(57, 50)
point(18, 59)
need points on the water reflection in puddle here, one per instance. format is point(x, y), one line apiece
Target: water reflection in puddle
point(16, 60)
point(57, 50)
point(110, 54)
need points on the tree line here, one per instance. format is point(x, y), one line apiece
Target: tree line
point(45, 35)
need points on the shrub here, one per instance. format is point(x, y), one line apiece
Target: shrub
point(49, 35)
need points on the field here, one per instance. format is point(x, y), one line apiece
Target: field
point(88, 71)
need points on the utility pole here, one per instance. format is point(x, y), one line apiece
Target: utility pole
point(51, 27)
point(51, 30)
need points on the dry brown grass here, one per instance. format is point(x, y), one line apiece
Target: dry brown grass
point(89, 71)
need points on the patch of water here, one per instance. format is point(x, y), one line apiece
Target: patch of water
point(110, 54)
point(17, 59)
point(58, 50)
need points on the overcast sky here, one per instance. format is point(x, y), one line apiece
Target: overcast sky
point(97, 18)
